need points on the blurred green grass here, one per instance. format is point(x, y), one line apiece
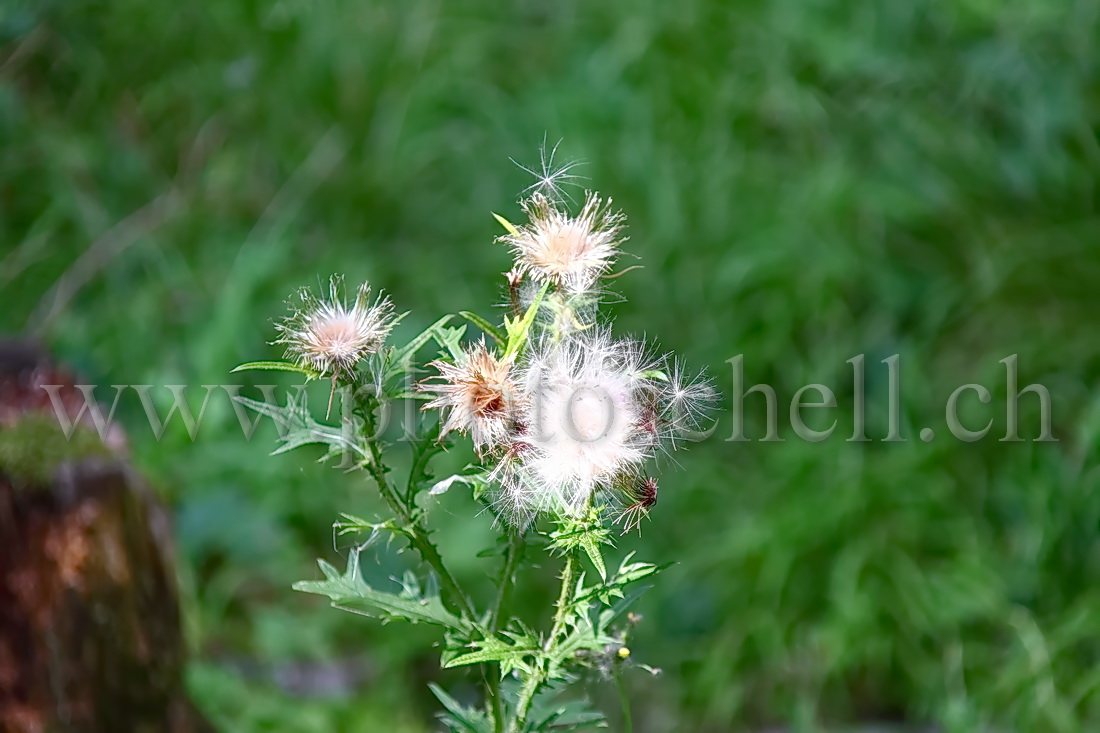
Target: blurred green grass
point(805, 181)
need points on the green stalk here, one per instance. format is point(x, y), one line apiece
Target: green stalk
point(532, 684)
point(499, 615)
point(526, 696)
point(418, 537)
point(624, 700)
point(516, 543)
point(565, 598)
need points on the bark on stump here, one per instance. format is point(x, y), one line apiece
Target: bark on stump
point(90, 636)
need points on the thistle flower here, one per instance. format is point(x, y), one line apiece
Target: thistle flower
point(329, 335)
point(570, 252)
point(478, 394)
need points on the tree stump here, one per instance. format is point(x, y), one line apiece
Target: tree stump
point(90, 636)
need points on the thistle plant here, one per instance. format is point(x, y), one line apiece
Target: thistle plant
point(568, 423)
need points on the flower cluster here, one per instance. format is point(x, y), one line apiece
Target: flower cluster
point(576, 416)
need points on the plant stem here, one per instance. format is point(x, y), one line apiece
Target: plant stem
point(526, 696)
point(499, 615)
point(565, 597)
point(418, 537)
point(624, 700)
point(516, 543)
point(532, 684)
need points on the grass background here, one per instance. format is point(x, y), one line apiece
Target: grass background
point(805, 181)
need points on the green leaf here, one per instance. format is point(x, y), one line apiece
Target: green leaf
point(450, 340)
point(627, 573)
point(349, 592)
point(410, 395)
point(277, 366)
point(584, 636)
point(461, 718)
point(498, 335)
point(352, 524)
point(478, 483)
point(519, 328)
point(609, 615)
point(549, 713)
point(296, 427)
point(653, 374)
point(426, 445)
point(591, 544)
point(399, 360)
point(510, 655)
point(586, 533)
point(505, 223)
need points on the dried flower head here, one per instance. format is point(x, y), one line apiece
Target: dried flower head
point(330, 336)
point(571, 252)
point(641, 495)
point(478, 392)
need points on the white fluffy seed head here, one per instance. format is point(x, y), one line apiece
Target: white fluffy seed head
point(332, 337)
point(583, 422)
point(572, 252)
point(594, 411)
point(478, 394)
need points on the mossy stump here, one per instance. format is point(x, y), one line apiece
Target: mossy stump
point(90, 636)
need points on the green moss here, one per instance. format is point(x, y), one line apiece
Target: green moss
point(33, 448)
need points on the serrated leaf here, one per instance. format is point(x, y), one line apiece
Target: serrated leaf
point(614, 586)
point(510, 656)
point(424, 447)
point(399, 360)
point(548, 713)
point(570, 716)
point(591, 547)
point(352, 524)
point(609, 615)
point(488, 328)
point(586, 533)
point(449, 339)
point(411, 395)
point(349, 592)
point(461, 719)
point(296, 427)
point(478, 483)
point(277, 366)
point(629, 572)
point(584, 636)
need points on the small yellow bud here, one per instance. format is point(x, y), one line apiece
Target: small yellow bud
point(624, 652)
